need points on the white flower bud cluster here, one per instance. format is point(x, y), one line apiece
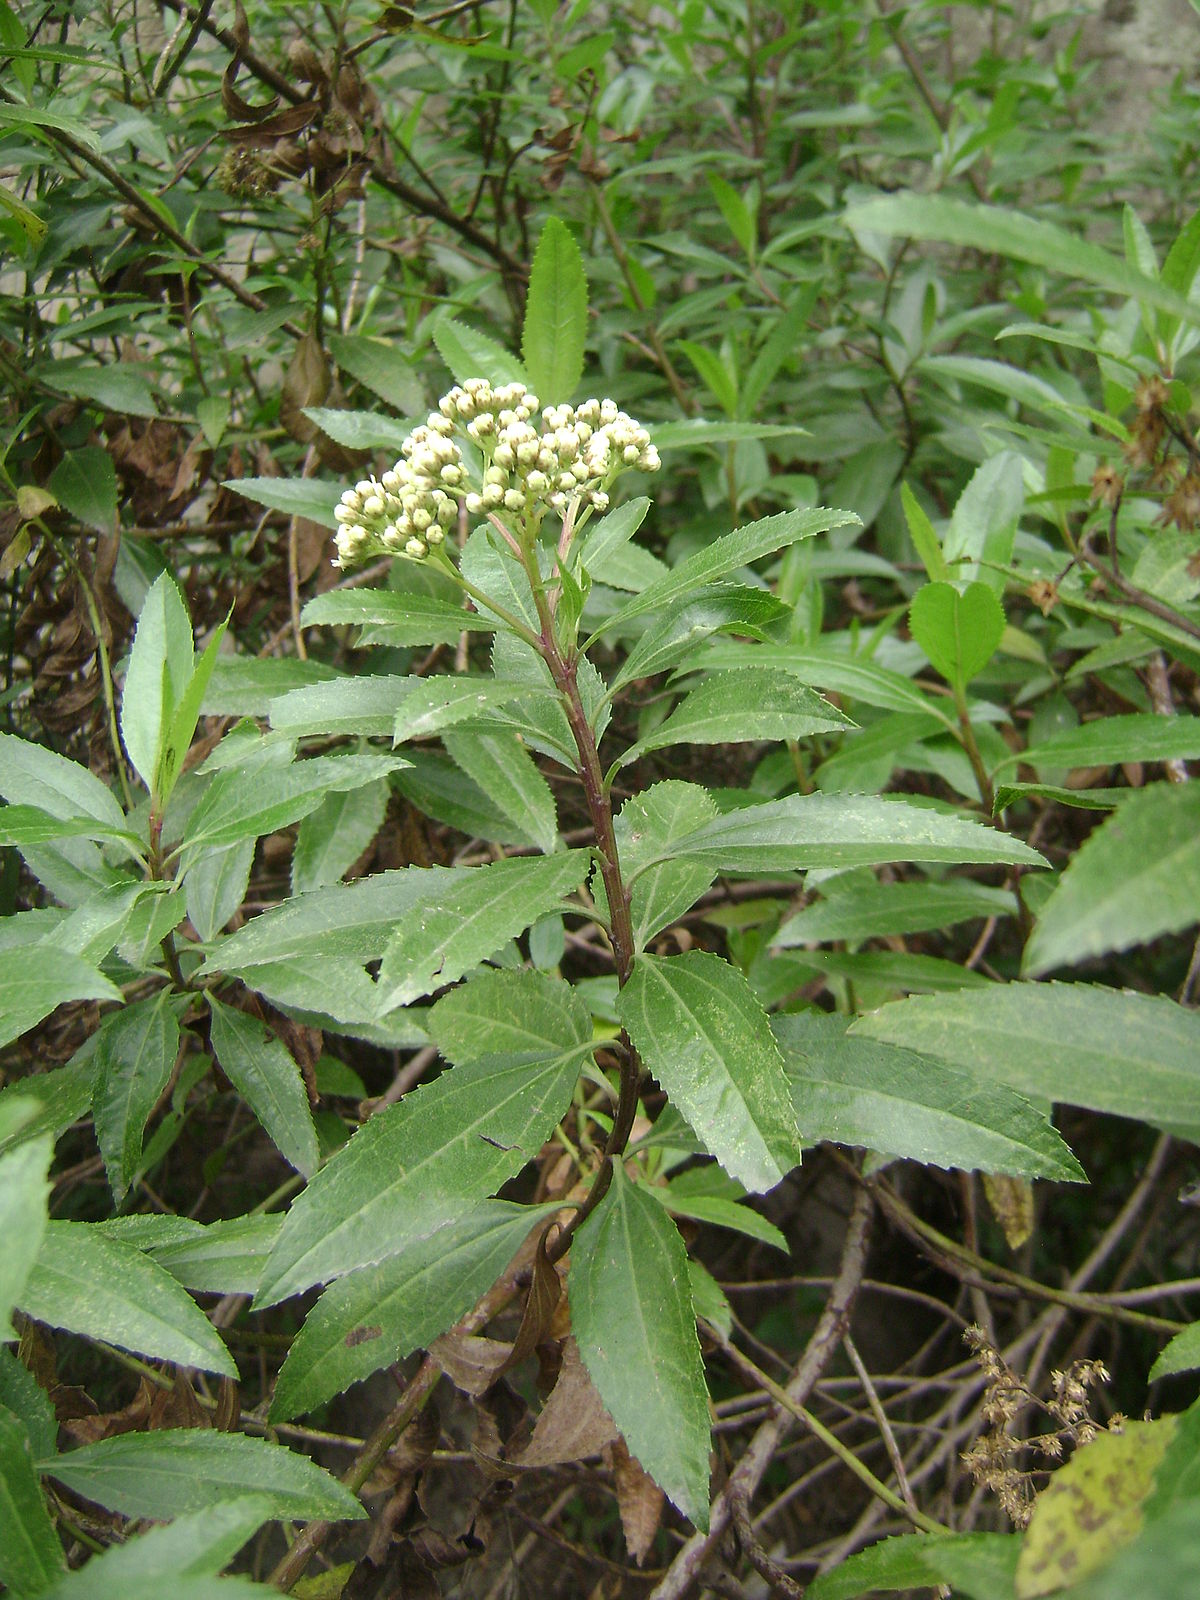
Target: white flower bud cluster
point(573, 457)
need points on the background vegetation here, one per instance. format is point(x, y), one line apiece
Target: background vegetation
point(832, 259)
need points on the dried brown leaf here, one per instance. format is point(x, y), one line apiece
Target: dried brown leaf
point(573, 1422)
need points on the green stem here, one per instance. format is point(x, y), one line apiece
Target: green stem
point(831, 1441)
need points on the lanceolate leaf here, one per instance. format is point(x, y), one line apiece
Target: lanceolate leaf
point(509, 1011)
point(1137, 876)
point(363, 705)
point(834, 830)
point(351, 920)
point(31, 775)
point(849, 676)
point(135, 1054)
point(855, 1091)
point(471, 354)
point(700, 1031)
point(631, 1309)
point(31, 989)
point(263, 1072)
point(1135, 1055)
point(96, 1286)
point(332, 838)
point(24, 1192)
point(379, 1314)
point(1111, 740)
point(729, 554)
point(721, 711)
point(689, 622)
point(646, 827)
point(174, 1471)
point(429, 704)
point(878, 909)
point(416, 1166)
point(160, 669)
point(555, 327)
point(405, 619)
point(505, 771)
point(1012, 233)
point(190, 1550)
point(31, 1556)
point(222, 1258)
point(241, 804)
point(486, 906)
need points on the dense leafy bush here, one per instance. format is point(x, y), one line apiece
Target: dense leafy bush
point(471, 927)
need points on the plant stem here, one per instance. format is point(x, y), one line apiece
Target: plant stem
point(564, 670)
point(831, 1441)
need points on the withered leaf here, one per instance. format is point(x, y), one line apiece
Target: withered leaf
point(573, 1422)
point(639, 1500)
point(545, 1291)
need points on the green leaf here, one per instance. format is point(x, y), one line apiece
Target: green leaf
point(61, 1096)
point(244, 686)
point(697, 431)
point(505, 771)
point(702, 1033)
point(983, 525)
point(160, 668)
point(835, 830)
point(24, 1194)
point(720, 382)
point(1016, 235)
point(85, 483)
point(31, 1557)
point(876, 910)
point(380, 1314)
point(958, 632)
point(416, 1166)
point(313, 498)
point(729, 554)
point(245, 803)
point(31, 990)
point(429, 704)
point(198, 1586)
point(359, 430)
point(853, 1091)
point(363, 706)
point(509, 1012)
point(263, 1072)
point(484, 908)
point(631, 1310)
point(32, 775)
point(103, 1289)
point(555, 327)
point(403, 619)
point(1181, 1354)
point(184, 717)
point(981, 1566)
point(30, 825)
point(223, 1258)
point(135, 1056)
point(193, 1548)
point(925, 540)
point(332, 838)
point(721, 1213)
point(1135, 877)
point(851, 676)
point(216, 886)
point(470, 354)
point(646, 828)
point(172, 1472)
point(688, 623)
point(1110, 741)
point(718, 713)
point(1134, 1055)
point(384, 370)
point(350, 920)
